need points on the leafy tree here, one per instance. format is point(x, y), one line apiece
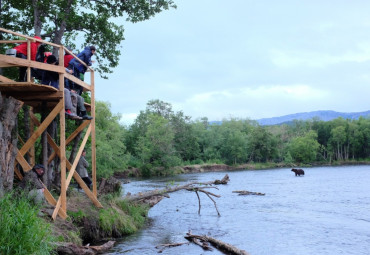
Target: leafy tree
point(262, 145)
point(97, 22)
point(110, 135)
point(304, 148)
point(156, 148)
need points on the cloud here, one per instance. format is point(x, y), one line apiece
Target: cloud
point(318, 59)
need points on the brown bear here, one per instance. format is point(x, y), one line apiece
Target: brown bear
point(298, 172)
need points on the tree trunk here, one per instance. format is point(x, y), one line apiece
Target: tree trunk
point(37, 13)
point(9, 108)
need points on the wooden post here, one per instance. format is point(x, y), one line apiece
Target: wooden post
point(93, 142)
point(63, 188)
point(28, 58)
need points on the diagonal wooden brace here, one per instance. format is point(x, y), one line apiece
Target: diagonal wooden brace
point(41, 128)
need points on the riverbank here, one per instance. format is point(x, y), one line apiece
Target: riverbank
point(201, 168)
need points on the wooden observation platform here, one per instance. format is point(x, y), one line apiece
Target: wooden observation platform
point(39, 97)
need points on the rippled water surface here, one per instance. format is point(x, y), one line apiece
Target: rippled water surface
point(325, 212)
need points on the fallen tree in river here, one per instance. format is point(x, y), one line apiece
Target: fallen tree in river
point(154, 196)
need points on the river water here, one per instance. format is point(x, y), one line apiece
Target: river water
point(325, 212)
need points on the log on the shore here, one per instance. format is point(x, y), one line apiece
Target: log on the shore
point(246, 192)
point(73, 249)
point(220, 245)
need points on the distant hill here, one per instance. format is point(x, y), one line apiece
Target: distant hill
point(322, 115)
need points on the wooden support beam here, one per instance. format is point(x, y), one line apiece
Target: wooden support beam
point(8, 61)
point(63, 159)
point(93, 141)
point(23, 162)
point(59, 107)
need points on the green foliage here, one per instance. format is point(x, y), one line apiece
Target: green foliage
point(21, 231)
point(305, 148)
point(110, 135)
point(156, 146)
point(97, 22)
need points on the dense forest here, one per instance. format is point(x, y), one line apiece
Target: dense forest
point(160, 139)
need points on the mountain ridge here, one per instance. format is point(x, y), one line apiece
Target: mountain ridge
point(324, 115)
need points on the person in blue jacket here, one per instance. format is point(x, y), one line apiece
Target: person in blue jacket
point(78, 68)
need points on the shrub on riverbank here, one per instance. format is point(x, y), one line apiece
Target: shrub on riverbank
point(21, 230)
point(116, 219)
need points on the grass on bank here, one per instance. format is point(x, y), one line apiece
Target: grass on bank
point(21, 230)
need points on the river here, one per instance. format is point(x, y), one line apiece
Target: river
point(325, 212)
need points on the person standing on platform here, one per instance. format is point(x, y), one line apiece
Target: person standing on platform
point(78, 68)
point(22, 53)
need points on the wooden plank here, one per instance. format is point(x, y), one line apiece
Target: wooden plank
point(26, 86)
point(93, 141)
point(30, 63)
point(43, 126)
point(21, 160)
point(5, 79)
point(36, 96)
point(63, 159)
point(83, 84)
point(13, 41)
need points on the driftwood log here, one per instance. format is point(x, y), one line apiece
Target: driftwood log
point(204, 241)
point(168, 245)
point(246, 192)
point(73, 249)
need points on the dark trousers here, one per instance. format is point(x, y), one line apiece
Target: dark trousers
point(73, 85)
point(88, 182)
point(22, 70)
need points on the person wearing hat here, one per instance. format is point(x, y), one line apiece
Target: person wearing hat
point(22, 53)
point(32, 184)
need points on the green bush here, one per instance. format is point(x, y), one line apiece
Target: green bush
point(21, 231)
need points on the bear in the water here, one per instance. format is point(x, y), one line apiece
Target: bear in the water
point(298, 172)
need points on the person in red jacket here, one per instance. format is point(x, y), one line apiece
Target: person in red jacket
point(22, 53)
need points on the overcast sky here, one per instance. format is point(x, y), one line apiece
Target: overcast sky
point(245, 59)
